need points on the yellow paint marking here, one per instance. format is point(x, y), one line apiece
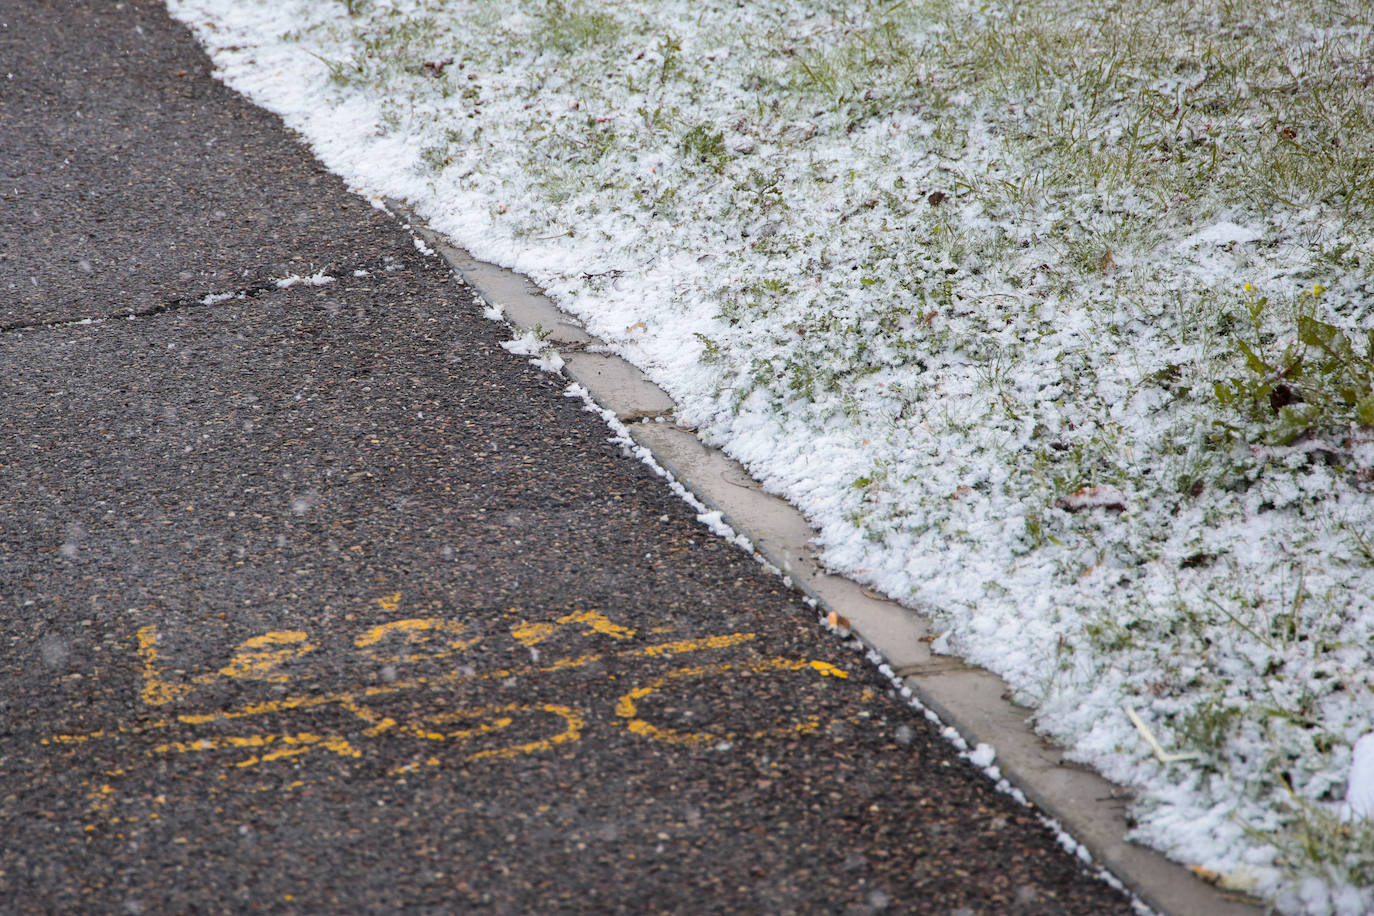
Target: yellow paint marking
point(289, 745)
point(156, 691)
point(578, 662)
point(258, 660)
point(73, 739)
point(390, 602)
point(148, 637)
point(572, 732)
point(418, 632)
point(285, 704)
point(379, 723)
point(276, 788)
point(828, 670)
point(260, 657)
point(497, 718)
point(683, 646)
point(100, 801)
point(495, 724)
point(627, 706)
point(274, 755)
point(529, 634)
point(306, 701)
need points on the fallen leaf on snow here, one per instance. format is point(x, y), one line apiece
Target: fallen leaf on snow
point(1099, 497)
point(1239, 881)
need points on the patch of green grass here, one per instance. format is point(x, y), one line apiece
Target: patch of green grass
point(1318, 381)
point(705, 145)
point(385, 46)
point(571, 27)
point(1315, 840)
point(1207, 728)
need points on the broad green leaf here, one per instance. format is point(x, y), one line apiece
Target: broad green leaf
point(1252, 359)
point(1328, 337)
point(1364, 410)
point(1294, 421)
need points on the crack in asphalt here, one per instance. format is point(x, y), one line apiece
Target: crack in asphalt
point(162, 308)
point(250, 292)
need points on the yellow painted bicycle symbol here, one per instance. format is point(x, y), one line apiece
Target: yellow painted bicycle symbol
point(413, 661)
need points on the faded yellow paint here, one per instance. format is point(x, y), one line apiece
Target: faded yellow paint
point(627, 707)
point(579, 661)
point(573, 725)
point(305, 701)
point(73, 739)
point(379, 724)
point(530, 634)
point(389, 602)
point(156, 691)
point(497, 719)
point(258, 659)
point(418, 632)
point(148, 637)
point(261, 658)
point(281, 746)
point(100, 800)
point(683, 646)
point(495, 723)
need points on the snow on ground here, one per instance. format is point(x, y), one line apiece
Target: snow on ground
point(1051, 316)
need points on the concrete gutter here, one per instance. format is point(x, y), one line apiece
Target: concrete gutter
point(972, 700)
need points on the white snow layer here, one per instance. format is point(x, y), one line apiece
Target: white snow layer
point(990, 389)
point(1359, 790)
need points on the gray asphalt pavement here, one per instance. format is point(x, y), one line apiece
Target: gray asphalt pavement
point(314, 599)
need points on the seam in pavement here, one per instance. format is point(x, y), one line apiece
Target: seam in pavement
point(973, 701)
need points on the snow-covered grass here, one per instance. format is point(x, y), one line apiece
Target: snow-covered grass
point(1053, 316)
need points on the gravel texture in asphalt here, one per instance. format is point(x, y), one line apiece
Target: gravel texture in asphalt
point(314, 599)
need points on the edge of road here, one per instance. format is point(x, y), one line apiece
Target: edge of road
point(971, 700)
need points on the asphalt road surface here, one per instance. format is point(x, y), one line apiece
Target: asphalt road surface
point(313, 599)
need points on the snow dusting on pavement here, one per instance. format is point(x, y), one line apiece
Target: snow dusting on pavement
point(1052, 317)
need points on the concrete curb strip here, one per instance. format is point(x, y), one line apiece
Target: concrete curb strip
point(970, 699)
